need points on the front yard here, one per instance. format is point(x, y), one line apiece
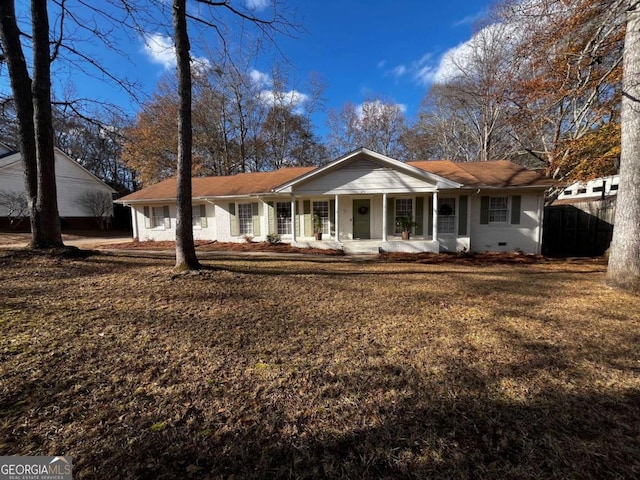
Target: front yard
point(319, 368)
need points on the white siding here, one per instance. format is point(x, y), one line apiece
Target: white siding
point(72, 181)
point(363, 177)
point(524, 236)
point(11, 180)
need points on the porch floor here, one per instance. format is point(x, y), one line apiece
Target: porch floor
point(375, 246)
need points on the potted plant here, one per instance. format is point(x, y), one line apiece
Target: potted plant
point(317, 226)
point(406, 223)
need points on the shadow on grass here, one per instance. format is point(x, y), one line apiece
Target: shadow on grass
point(470, 433)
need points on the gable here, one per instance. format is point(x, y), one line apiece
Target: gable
point(364, 171)
point(363, 175)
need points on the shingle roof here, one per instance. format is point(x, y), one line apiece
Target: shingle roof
point(496, 174)
point(226, 186)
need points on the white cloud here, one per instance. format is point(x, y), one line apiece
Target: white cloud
point(453, 63)
point(160, 49)
point(469, 19)
point(292, 98)
point(399, 71)
point(424, 69)
point(378, 108)
point(260, 78)
point(258, 4)
point(271, 97)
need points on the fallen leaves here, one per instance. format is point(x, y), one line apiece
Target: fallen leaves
point(334, 369)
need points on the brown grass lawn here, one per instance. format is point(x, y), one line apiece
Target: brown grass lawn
point(266, 368)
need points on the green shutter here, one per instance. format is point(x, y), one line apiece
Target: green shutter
point(332, 216)
point(203, 216)
point(147, 217)
point(516, 201)
point(255, 214)
point(235, 229)
point(391, 216)
point(484, 210)
point(306, 210)
point(419, 215)
point(271, 218)
point(167, 217)
point(430, 217)
point(463, 202)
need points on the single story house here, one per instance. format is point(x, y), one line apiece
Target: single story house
point(359, 199)
point(81, 195)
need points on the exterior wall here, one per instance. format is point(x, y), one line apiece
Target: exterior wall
point(72, 181)
point(507, 237)
point(143, 232)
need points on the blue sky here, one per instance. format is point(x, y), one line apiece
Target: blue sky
point(361, 49)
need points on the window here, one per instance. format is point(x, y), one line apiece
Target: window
point(283, 218)
point(446, 215)
point(245, 218)
point(404, 208)
point(322, 209)
point(157, 217)
point(498, 209)
point(195, 216)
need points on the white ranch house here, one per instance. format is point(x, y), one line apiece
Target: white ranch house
point(476, 206)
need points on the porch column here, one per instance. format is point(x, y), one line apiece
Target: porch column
point(384, 217)
point(337, 219)
point(435, 216)
point(134, 222)
point(293, 219)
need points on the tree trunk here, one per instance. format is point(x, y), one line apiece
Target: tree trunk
point(185, 249)
point(47, 233)
point(21, 89)
point(624, 261)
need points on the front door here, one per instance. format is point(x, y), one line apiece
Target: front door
point(361, 219)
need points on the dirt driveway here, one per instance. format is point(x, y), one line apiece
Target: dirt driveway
point(79, 239)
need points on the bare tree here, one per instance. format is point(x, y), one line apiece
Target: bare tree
point(185, 250)
point(375, 124)
point(33, 112)
point(624, 261)
point(99, 205)
point(14, 205)
point(465, 111)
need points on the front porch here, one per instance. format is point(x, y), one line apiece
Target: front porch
point(373, 247)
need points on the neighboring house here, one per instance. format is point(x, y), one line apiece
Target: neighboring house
point(76, 189)
point(479, 206)
point(580, 221)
